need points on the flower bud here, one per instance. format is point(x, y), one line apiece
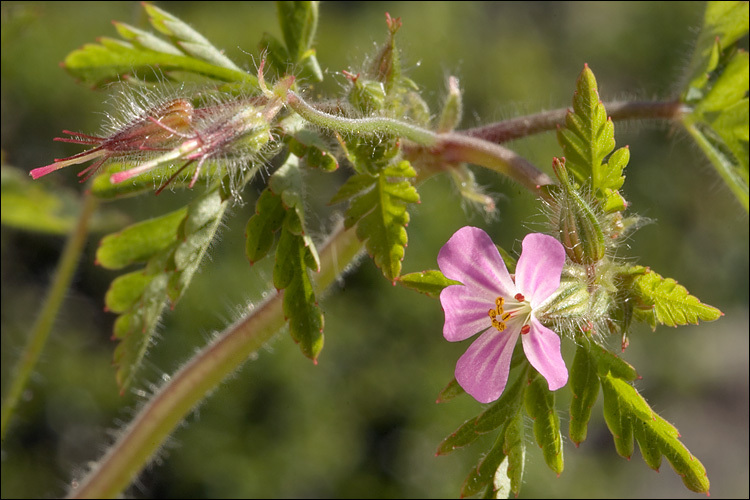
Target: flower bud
point(576, 220)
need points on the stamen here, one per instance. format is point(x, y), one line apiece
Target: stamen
point(519, 297)
point(525, 329)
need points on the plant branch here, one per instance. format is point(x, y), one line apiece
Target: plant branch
point(522, 126)
point(43, 326)
point(198, 377)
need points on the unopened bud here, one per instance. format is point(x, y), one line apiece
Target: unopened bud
point(576, 220)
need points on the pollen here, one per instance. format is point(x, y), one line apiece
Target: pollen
point(498, 312)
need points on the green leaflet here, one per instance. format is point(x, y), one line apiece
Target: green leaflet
point(540, 405)
point(483, 474)
point(187, 39)
point(515, 449)
point(723, 24)
point(187, 51)
point(584, 384)
point(628, 415)
point(280, 209)
point(308, 145)
point(299, 22)
point(493, 417)
point(378, 208)
point(172, 247)
point(587, 138)
point(664, 301)
point(450, 391)
point(430, 282)
point(717, 90)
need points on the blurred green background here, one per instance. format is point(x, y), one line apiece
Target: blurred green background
point(363, 422)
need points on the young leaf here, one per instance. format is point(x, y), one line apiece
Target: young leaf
point(378, 208)
point(584, 384)
point(628, 415)
point(430, 282)
point(540, 405)
point(662, 300)
point(587, 138)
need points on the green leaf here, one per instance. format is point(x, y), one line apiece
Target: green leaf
point(609, 362)
point(139, 242)
point(587, 138)
point(44, 207)
point(484, 473)
point(724, 23)
point(662, 300)
point(186, 38)
point(259, 233)
point(308, 145)
point(540, 405)
point(299, 22)
point(112, 59)
point(515, 449)
point(430, 282)
point(450, 391)
point(628, 415)
point(378, 208)
point(584, 384)
point(172, 247)
point(492, 418)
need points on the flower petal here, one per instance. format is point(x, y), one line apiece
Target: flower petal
point(465, 311)
point(483, 369)
point(542, 348)
point(539, 267)
point(470, 257)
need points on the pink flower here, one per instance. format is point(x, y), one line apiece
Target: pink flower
point(492, 302)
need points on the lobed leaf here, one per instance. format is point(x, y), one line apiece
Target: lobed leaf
point(587, 138)
point(261, 227)
point(723, 24)
point(172, 247)
point(540, 405)
point(515, 449)
point(628, 415)
point(584, 384)
point(450, 391)
point(663, 300)
point(493, 417)
point(483, 474)
point(378, 208)
point(187, 39)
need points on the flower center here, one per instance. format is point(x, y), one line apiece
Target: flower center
point(515, 309)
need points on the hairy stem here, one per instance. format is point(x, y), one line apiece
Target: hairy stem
point(523, 126)
point(43, 325)
point(203, 373)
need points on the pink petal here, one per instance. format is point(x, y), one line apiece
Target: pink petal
point(542, 348)
point(539, 267)
point(470, 257)
point(466, 311)
point(483, 369)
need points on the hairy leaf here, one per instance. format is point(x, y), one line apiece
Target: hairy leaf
point(450, 391)
point(172, 247)
point(628, 415)
point(186, 38)
point(540, 405)
point(378, 208)
point(662, 300)
point(484, 473)
point(584, 384)
point(492, 418)
point(259, 233)
point(587, 138)
point(723, 24)
point(428, 282)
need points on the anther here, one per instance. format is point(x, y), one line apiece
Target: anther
point(519, 297)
